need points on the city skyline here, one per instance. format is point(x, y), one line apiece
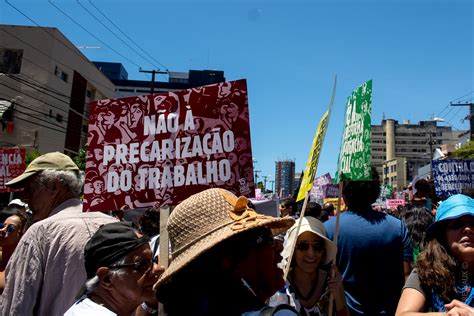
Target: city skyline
point(289, 52)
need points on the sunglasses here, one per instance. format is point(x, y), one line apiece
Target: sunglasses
point(316, 246)
point(142, 266)
point(459, 223)
point(10, 227)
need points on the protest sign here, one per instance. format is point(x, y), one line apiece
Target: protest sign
point(317, 192)
point(312, 164)
point(393, 203)
point(12, 164)
point(157, 150)
point(452, 175)
point(330, 190)
point(354, 155)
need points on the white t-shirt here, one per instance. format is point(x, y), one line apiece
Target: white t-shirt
point(89, 308)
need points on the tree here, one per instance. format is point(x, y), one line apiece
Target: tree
point(32, 156)
point(80, 159)
point(465, 152)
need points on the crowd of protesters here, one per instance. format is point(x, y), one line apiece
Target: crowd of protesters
point(226, 259)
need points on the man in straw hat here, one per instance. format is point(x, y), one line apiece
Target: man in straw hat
point(120, 270)
point(223, 257)
point(46, 270)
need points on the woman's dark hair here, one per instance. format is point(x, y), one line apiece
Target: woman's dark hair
point(290, 202)
point(149, 223)
point(437, 269)
point(417, 219)
point(25, 218)
point(360, 195)
point(314, 210)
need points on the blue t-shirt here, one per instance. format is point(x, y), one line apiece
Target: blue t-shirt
point(371, 248)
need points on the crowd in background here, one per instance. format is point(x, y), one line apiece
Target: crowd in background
point(226, 259)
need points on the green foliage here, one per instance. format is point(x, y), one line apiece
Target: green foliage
point(465, 152)
point(32, 156)
point(80, 159)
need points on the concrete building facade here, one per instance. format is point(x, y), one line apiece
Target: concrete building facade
point(47, 84)
point(399, 150)
point(284, 177)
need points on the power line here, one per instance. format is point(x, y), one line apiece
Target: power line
point(36, 88)
point(20, 91)
point(449, 105)
point(69, 105)
point(35, 123)
point(124, 34)
point(103, 24)
point(91, 34)
point(37, 84)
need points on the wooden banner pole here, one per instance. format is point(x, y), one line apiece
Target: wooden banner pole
point(303, 210)
point(336, 233)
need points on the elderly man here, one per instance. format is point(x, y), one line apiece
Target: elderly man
point(46, 271)
point(121, 272)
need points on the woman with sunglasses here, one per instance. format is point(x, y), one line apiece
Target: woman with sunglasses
point(309, 283)
point(442, 282)
point(13, 224)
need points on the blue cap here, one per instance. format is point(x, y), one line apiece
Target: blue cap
point(454, 207)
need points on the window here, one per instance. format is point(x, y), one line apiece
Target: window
point(10, 60)
point(61, 74)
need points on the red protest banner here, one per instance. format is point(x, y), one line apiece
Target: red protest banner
point(12, 164)
point(156, 150)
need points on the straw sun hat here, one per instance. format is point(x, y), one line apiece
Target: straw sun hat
point(208, 218)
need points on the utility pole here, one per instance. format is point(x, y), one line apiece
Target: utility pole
point(272, 182)
point(431, 142)
point(471, 115)
point(153, 72)
point(256, 176)
point(265, 182)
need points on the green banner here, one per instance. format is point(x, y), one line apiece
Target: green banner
point(354, 155)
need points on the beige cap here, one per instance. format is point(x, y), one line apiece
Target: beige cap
point(49, 161)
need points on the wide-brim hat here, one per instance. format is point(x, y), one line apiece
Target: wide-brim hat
point(454, 207)
point(49, 161)
point(207, 219)
point(315, 226)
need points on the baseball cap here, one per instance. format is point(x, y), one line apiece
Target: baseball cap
point(49, 161)
point(110, 243)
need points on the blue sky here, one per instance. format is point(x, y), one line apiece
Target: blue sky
point(419, 54)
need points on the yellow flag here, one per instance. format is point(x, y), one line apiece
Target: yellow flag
point(312, 164)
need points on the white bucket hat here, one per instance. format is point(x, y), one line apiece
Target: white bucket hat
point(308, 224)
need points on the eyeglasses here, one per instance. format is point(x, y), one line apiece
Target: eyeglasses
point(10, 227)
point(142, 266)
point(304, 246)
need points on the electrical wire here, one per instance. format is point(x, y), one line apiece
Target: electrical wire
point(37, 84)
point(36, 88)
point(105, 26)
point(91, 34)
point(124, 34)
point(66, 111)
point(50, 57)
point(38, 124)
point(23, 92)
